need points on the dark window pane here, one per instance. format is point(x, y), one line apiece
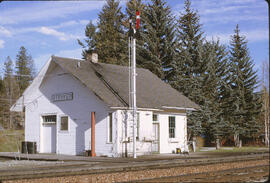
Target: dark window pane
point(110, 127)
point(155, 117)
point(49, 118)
point(138, 125)
point(64, 123)
point(171, 126)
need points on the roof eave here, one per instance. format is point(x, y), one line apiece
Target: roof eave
point(139, 108)
point(180, 108)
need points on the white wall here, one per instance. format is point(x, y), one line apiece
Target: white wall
point(143, 145)
point(77, 139)
point(125, 132)
point(167, 145)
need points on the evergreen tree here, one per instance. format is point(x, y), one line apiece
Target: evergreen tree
point(8, 69)
point(10, 84)
point(107, 39)
point(215, 79)
point(8, 77)
point(10, 93)
point(110, 37)
point(90, 33)
point(159, 38)
point(24, 69)
point(190, 65)
point(246, 104)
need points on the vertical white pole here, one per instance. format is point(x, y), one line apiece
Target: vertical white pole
point(134, 94)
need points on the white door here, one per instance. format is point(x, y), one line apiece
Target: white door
point(155, 144)
point(48, 134)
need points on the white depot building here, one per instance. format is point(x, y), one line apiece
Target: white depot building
point(59, 103)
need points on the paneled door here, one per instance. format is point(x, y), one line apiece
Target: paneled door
point(48, 134)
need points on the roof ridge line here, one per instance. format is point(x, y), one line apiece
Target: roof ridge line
point(114, 92)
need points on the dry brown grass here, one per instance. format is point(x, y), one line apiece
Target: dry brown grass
point(10, 140)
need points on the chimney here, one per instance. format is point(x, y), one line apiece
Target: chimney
point(93, 57)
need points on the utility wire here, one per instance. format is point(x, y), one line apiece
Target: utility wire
point(38, 76)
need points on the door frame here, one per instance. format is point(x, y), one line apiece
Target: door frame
point(41, 133)
point(158, 125)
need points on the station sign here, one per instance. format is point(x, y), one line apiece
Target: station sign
point(62, 97)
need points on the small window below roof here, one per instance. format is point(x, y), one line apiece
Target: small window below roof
point(155, 117)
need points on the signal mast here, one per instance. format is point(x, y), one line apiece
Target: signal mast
point(132, 78)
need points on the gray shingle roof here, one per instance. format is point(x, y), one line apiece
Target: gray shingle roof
point(110, 84)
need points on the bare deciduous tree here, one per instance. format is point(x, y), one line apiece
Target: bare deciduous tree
point(265, 86)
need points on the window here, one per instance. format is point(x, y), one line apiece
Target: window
point(155, 117)
point(171, 126)
point(110, 128)
point(64, 123)
point(138, 126)
point(50, 119)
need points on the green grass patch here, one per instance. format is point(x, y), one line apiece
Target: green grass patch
point(10, 140)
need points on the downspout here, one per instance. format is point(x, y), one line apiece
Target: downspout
point(93, 121)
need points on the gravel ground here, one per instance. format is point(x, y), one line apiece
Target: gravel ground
point(23, 163)
point(146, 174)
point(247, 174)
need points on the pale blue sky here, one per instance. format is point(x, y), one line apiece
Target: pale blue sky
point(49, 27)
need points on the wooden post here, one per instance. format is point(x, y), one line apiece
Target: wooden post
point(93, 123)
point(194, 144)
point(217, 144)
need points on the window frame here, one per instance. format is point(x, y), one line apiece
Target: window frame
point(138, 126)
point(171, 128)
point(48, 123)
point(110, 128)
point(60, 124)
point(153, 117)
